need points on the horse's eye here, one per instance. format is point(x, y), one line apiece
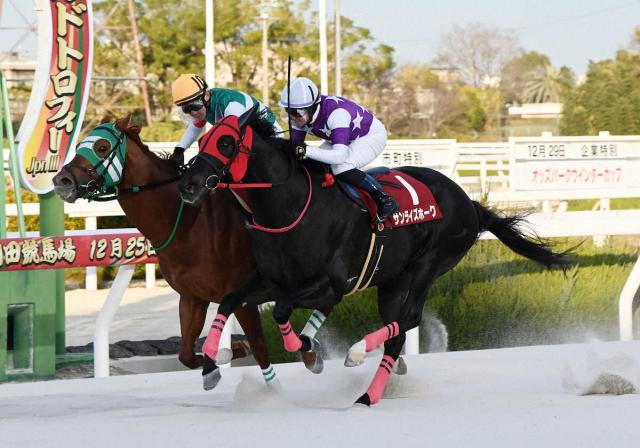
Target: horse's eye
point(102, 147)
point(226, 145)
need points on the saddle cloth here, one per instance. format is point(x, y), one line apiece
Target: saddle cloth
point(416, 200)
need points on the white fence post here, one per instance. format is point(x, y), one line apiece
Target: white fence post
point(412, 342)
point(91, 273)
point(105, 316)
point(625, 305)
point(150, 275)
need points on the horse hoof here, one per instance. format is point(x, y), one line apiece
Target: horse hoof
point(224, 356)
point(313, 362)
point(363, 401)
point(210, 374)
point(400, 367)
point(309, 344)
point(356, 354)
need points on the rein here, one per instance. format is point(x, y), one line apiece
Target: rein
point(135, 189)
point(96, 190)
point(257, 226)
point(240, 147)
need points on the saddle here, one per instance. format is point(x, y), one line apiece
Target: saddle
point(416, 200)
point(417, 204)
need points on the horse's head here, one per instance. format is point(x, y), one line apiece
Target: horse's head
point(224, 154)
point(98, 164)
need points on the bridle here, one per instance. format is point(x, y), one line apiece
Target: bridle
point(95, 189)
point(213, 181)
point(240, 149)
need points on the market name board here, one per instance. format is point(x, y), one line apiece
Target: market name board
point(19, 254)
point(575, 163)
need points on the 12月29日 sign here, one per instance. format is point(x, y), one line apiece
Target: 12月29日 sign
point(60, 91)
point(575, 163)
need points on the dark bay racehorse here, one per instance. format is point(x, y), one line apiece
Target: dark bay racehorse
point(210, 254)
point(310, 243)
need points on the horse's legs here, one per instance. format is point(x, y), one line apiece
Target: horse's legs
point(391, 298)
point(392, 349)
point(281, 313)
point(311, 359)
point(404, 315)
point(249, 319)
point(251, 289)
point(193, 313)
point(227, 306)
point(318, 290)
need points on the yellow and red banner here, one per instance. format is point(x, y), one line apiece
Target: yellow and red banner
point(53, 252)
point(60, 91)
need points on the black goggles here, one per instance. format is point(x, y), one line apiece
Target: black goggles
point(296, 112)
point(193, 106)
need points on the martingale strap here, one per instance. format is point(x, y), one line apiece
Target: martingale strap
point(370, 264)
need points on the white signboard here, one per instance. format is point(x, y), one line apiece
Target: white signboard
point(438, 154)
point(575, 163)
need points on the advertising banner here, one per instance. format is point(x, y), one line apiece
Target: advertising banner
point(60, 91)
point(575, 163)
point(19, 254)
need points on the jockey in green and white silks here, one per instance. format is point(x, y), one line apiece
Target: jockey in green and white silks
point(204, 105)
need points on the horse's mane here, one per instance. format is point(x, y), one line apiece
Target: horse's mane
point(133, 133)
point(262, 127)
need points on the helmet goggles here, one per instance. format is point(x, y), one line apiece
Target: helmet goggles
point(296, 112)
point(193, 106)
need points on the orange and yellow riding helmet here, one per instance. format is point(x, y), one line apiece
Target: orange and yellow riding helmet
point(187, 88)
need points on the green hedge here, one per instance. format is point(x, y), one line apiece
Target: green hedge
point(495, 298)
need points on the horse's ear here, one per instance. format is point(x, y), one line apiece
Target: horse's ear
point(122, 124)
point(247, 116)
point(105, 119)
point(135, 129)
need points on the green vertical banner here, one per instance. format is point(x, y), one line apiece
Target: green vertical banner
point(52, 224)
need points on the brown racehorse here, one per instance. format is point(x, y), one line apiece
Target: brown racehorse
point(210, 254)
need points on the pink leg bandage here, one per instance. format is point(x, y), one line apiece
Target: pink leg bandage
point(292, 342)
point(382, 335)
point(376, 388)
point(210, 346)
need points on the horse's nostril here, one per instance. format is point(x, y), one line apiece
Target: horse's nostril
point(66, 181)
point(189, 188)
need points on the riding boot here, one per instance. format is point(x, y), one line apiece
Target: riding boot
point(387, 205)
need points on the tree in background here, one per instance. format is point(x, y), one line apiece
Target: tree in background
point(608, 100)
point(172, 38)
point(479, 52)
point(516, 74)
point(547, 84)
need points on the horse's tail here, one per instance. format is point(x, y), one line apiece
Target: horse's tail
point(507, 229)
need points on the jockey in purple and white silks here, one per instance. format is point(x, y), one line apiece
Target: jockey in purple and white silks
point(353, 137)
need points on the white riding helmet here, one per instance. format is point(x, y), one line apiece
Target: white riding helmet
point(304, 94)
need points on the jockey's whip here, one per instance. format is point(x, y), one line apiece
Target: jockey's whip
point(289, 98)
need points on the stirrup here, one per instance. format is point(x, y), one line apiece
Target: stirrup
point(387, 207)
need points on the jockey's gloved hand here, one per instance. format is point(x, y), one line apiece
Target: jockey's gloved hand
point(299, 150)
point(178, 155)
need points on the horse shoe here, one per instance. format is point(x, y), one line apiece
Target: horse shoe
point(210, 374)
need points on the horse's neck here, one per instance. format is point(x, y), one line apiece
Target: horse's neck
point(154, 211)
point(276, 206)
